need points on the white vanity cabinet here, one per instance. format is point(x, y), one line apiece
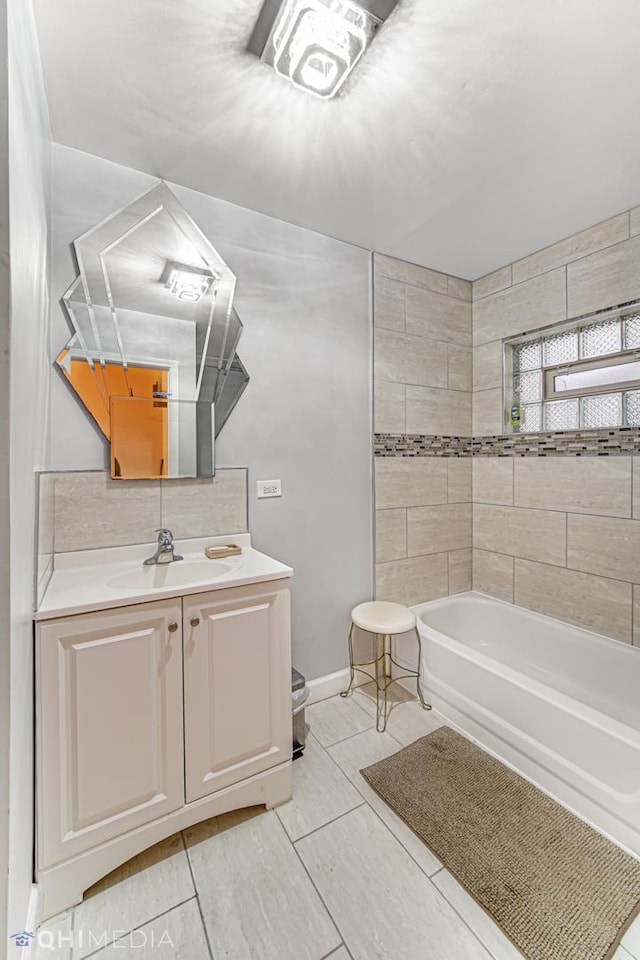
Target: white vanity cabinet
point(234, 686)
point(152, 717)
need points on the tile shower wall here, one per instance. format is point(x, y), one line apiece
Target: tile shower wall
point(595, 269)
point(422, 385)
point(557, 534)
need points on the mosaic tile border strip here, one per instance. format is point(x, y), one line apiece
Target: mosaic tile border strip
point(618, 441)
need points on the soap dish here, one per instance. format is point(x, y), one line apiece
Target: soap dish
point(224, 550)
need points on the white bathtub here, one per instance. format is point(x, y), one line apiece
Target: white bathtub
point(559, 704)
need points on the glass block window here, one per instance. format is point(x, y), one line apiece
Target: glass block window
point(584, 374)
point(632, 332)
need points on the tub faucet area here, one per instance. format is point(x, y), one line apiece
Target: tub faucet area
point(166, 550)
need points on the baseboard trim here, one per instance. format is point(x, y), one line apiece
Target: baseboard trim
point(32, 920)
point(328, 686)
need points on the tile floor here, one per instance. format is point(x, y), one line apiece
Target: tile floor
point(332, 874)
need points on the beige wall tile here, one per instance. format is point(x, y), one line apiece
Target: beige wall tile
point(487, 365)
point(636, 615)
point(459, 479)
point(206, 507)
point(45, 533)
point(404, 359)
point(604, 545)
point(409, 481)
point(636, 487)
point(459, 571)
point(596, 603)
point(488, 413)
point(388, 304)
point(535, 303)
point(459, 367)
point(604, 279)
point(600, 485)
point(389, 407)
point(493, 574)
point(579, 245)
point(409, 273)
point(492, 282)
point(635, 221)
point(391, 535)
point(439, 528)
point(438, 317)
point(413, 581)
point(91, 511)
point(433, 411)
point(456, 287)
point(531, 534)
point(493, 480)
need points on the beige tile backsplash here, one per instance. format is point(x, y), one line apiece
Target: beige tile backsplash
point(572, 515)
point(573, 248)
point(493, 574)
point(604, 279)
point(434, 411)
point(535, 303)
point(493, 480)
point(410, 481)
point(596, 485)
point(598, 604)
point(389, 403)
point(90, 510)
point(206, 507)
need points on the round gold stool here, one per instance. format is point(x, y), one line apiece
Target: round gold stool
point(384, 620)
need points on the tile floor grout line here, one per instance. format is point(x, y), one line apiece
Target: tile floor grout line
point(342, 946)
point(197, 895)
point(320, 897)
point(322, 825)
point(128, 933)
point(466, 923)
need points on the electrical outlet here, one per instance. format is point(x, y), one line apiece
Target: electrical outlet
point(269, 488)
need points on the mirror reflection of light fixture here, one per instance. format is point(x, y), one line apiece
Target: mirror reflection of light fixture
point(186, 283)
point(315, 44)
point(153, 354)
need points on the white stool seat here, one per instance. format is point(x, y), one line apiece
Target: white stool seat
point(380, 616)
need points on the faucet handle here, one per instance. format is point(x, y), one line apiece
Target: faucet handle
point(164, 535)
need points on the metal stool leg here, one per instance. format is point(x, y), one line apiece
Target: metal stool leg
point(425, 705)
point(346, 692)
point(383, 679)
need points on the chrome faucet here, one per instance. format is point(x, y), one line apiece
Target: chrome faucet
point(164, 553)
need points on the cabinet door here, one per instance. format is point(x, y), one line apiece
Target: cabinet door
point(109, 725)
point(237, 685)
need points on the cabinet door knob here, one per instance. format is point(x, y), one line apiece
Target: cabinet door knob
point(173, 626)
point(194, 621)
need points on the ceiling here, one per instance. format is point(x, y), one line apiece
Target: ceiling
point(471, 133)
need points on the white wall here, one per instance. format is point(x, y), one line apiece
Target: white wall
point(305, 417)
point(5, 511)
point(29, 199)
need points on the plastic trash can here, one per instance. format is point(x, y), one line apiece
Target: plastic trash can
point(299, 697)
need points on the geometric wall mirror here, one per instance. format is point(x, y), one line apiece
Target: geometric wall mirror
point(153, 354)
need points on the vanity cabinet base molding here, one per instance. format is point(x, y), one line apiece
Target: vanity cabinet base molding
point(151, 718)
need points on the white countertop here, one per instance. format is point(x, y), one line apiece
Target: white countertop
point(89, 580)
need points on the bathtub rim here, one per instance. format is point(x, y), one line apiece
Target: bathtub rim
point(591, 715)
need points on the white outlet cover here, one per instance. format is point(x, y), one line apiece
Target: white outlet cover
point(269, 488)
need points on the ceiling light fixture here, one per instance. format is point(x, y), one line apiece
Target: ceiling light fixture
point(315, 44)
point(185, 283)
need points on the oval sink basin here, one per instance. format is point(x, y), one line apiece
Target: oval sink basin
point(180, 573)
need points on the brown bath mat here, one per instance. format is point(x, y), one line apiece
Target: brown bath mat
point(557, 888)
